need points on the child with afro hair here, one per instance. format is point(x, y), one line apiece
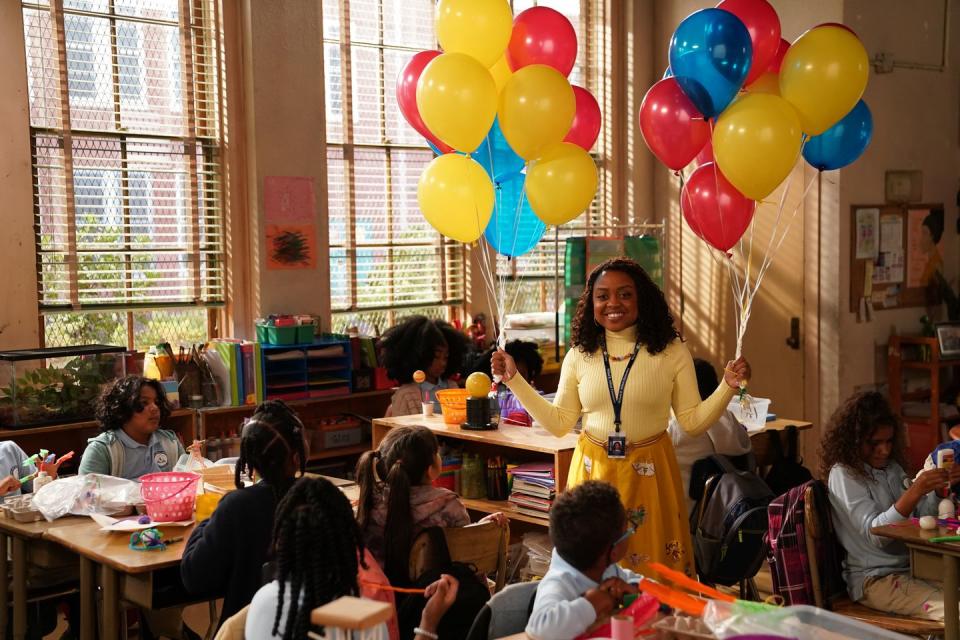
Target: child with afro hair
point(431, 346)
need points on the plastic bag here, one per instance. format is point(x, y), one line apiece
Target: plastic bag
point(190, 462)
point(86, 494)
point(732, 620)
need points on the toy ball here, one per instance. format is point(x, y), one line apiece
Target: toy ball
point(419, 376)
point(928, 522)
point(143, 520)
point(478, 384)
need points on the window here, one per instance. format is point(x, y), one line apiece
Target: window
point(386, 261)
point(127, 169)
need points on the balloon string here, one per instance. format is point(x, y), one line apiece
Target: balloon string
point(680, 235)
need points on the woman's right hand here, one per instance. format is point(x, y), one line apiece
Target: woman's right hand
point(502, 364)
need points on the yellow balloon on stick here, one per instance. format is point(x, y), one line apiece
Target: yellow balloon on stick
point(480, 29)
point(561, 183)
point(456, 197)
point(457, 100)
point(536, 109)
point(823, 75)
point(478, 384)
point(756, 143)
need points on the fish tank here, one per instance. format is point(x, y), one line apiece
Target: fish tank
point(55, 385)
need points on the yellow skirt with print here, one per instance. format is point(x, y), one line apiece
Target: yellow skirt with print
point(648, 480)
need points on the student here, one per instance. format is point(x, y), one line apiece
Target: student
point(318, 545)
point(131, 443)
point(12, 470)
point(727, 436)
point(225, 554)
point(862, 456)
point(589, 529)
point(431, 346)
point(396, 496)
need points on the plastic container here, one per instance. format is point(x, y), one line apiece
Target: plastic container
point(453, 404)
point(728, 620)
point(170, 496)
point(754, 415)
point(682, 628)
point(269, 334)
point(305, 333)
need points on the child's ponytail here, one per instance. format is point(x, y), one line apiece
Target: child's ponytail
point(399, 524)
point(367, 474)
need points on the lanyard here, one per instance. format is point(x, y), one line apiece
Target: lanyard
point(617, 400)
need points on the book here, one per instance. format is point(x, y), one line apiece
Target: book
point(530, 502)
point(529, 488)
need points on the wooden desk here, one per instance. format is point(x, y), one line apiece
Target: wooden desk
point(15, 535)
point(122, 570)
point(939, 561)
point(523, 443)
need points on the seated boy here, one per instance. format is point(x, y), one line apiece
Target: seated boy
point(589, 529)
point(12, 470)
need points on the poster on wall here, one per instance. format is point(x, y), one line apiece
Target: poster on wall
point(288, 199)
point(291, 246)
point(924, 245)
point(868, 233)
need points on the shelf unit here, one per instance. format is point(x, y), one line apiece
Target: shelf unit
point(303, 371)
point(917, 353)
point(521, 444)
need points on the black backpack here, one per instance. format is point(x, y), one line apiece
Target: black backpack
point(471, 595)
point(786, 470)
point(729, 521)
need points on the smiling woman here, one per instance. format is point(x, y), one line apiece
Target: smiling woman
point(626, 369)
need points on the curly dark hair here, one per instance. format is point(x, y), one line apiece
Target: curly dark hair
point(120, 399)
point(519, 350)
point(270, 438)
point(411, 345)
point(655, 328)
point(586, 521)
point(318, 549)
point(851, 424)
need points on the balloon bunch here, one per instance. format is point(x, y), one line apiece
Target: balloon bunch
point(745, 103)
point(511, 133)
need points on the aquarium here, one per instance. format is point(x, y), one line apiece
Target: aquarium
point(56, 385)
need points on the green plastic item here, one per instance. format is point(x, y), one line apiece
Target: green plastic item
point(945, 539)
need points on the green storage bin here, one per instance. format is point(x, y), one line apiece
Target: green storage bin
point(305, 333)
point(268, 334)
point(262, 334)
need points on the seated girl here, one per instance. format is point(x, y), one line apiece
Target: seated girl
point(431, 346)
point(131, 443)
point(396, 495)
point(321, 557)
point(862, 456)
point(225, 554)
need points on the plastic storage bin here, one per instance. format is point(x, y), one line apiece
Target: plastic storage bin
point(453, 404)
point(269, 334)
point(801, 621)
point(170, 496)
point(49, 386)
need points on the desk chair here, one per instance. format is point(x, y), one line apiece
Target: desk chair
point(506, 614)
point(847, 607)
point(482, 545)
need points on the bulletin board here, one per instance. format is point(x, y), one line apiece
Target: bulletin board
point(890, 259)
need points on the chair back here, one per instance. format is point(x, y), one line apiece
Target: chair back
point(813, 529)
point(482, 545)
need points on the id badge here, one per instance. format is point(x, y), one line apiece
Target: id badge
point(616, 446)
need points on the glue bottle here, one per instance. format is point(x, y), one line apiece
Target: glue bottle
point(41, 479)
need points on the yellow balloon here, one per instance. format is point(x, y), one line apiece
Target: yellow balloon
point(823, 76)
point(478, 384)
point(756, 142)
point(768, 82)
point(501, 73)
point(456, 197)
point(457, 100)
point(561, 183)
point(479, 28)
point(536, 109)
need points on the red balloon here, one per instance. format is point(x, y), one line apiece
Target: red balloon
point(542, 35)
point(762, 22)
point(586, 121)
point(714, 209)
point(671, 126)
point(706, 154)
point(407, 96)
point(778, 57)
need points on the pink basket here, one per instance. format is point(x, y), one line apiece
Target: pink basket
point(169, 495)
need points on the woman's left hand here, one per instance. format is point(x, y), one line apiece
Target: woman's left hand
point(735, 371)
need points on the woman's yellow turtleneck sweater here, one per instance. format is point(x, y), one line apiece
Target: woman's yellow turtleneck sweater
point(656, 384)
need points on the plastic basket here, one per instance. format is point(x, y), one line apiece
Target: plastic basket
point(169, 495)
point(453, 404)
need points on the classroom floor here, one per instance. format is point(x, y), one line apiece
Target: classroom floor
point(196, 616)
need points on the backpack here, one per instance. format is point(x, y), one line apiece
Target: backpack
point(729, 522)
point(471, 595)
point(786, 469)
point(787, 544)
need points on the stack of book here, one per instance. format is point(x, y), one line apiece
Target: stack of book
point(534, 488)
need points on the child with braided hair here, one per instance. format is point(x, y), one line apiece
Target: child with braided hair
point(396, 495)
point(226, 553)
point(319, 555)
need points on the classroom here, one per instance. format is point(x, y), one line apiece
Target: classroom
point(478, 319)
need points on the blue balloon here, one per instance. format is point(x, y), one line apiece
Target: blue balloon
point(433, 148)
point(496, 156)
point(514, 228)
point(667, 73)
point(710, 56)
point(842, 143)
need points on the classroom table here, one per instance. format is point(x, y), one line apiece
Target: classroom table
point(760, 445)
point(123, 571)
point(23, 538)
point(937, 561)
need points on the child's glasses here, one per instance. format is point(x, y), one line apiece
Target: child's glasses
point(632, 529)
